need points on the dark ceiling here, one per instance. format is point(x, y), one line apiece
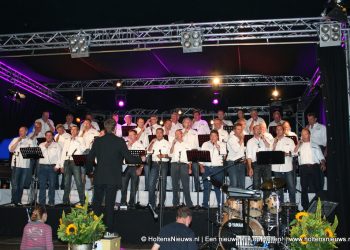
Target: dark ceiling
point(28, 16)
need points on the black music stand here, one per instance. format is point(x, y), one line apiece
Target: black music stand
point(270, 157)
point(137, 153)
point(34, 153)
point(126, 129)
point(151, 137)
point(247, 138)
point(228, 129)
point(202, 139)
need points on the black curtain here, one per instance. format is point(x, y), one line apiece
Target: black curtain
point(335, 95)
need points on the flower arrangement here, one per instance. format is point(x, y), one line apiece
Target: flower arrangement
point(311, 231)
point(80, 226)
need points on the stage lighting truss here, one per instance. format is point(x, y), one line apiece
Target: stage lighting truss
point(330, 34)
point(269, 31)
point(191, 40)
point(79, 46)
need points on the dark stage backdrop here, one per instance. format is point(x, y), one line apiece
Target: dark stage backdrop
point(334, 91)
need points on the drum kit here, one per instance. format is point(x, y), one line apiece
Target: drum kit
point(245, 214)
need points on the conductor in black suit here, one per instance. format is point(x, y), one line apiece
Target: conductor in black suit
point(109, 152)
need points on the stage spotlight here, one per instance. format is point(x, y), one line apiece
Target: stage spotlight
point(120, 100)
point(215, 101)
point(118, 84)
point(179, 112)
point(275, 93)
point(161, 122)
point(121, 103)
point(78, 120)
point(211, 122)
point(191, 41)
point(79, 46)
point(330, 34)
point(78, 98)
point(216, 81)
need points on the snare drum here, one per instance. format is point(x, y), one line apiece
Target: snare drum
point(256, 208)
point(271, 203)
point(234, 207)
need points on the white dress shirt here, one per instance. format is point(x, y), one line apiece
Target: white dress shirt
point(201, 127)
point(44, 126)
point(74, 145)
point(179, 154)
point(255, 145)
point(238, 119)
point(234, 148)
point(52, 154)
point(257, 122)
point(93, 124)
point(227, 123)
point(118, 130)
point(89, 136)
point(223, 135)
point(318, 134)
point(136, 146)
point(151, 130)
point(62, 139)
point(269, 138)
point(66, 126)
point(216, 155)
point(274, 124)
point(131, 124)
point(309, 153)
point(191, 137)
point(160, 147)
point(286, 145)
point(290, 133)
point(176, 126)
point(143, 138)
point(34, 138)
point(17, 158)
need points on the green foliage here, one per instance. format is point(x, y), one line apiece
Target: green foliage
point(81, 226)
point(312, 225)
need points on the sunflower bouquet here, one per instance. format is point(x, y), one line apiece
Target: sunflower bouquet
point(80, 226)
point(312, 231)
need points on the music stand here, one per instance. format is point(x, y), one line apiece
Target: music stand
point(294, 138)
point(138, 153)
point(151, 137)
point(40, 140)
point(247, 138)
point(126, 129)
point(34, 153)
point(228, 129)
point(270, 157)
point(80, 160)
point(202, 139)
point(272, 130)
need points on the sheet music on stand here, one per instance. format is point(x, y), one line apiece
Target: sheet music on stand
point(294, 138)
point(198, 155)
point(270, 157)
point(247, 138)
point(151, 137)
point(31, 153)
point(126, 129)
point(202, 139)
point(228, 129)
point(80, 160)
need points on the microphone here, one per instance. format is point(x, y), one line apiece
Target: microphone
point(155, 215)
point(179, 156)
point(74, 151)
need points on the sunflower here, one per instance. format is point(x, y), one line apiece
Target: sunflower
point(71, 229)
point(61, 222)
point(303, 239)
point(95, 217)
point(299, 216)
point(79, 206)
point(329, 233)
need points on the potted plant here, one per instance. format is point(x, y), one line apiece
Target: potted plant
point(312, 231)
point(80, 228)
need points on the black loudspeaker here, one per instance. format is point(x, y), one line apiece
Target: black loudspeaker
point(328, 206)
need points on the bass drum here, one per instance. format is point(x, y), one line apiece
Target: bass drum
point(235, 227)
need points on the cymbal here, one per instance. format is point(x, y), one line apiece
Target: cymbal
point(274, 184)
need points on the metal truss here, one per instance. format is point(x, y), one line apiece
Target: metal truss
point(22, 81)
point(161, 36)
point(180, 82)
point(310, 92)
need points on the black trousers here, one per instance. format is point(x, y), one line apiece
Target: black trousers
point(129, 174)
point(309, 181)
point(108, 192)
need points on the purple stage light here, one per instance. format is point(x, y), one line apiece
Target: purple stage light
point(215, 101)
point(121, 103)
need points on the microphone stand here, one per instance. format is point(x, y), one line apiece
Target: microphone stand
point(160, 185)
